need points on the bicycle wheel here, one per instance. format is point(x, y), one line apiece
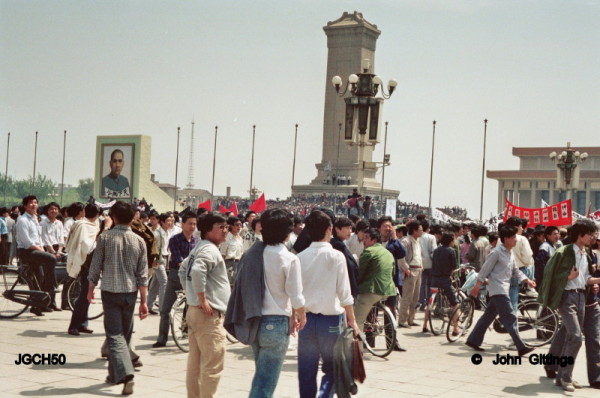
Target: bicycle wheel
point(437, 313)
point(379, 331)
point(537, 324)
point(463, 314)
point(95, 310)
point(179, 329)
point(9, 282)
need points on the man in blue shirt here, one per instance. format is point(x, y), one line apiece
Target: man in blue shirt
point(499, 267)
point(180, 246)
point(31, 252)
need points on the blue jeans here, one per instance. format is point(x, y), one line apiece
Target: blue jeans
point(514, 286)
point(498, 305)
point(269, 352)
point(316, 342)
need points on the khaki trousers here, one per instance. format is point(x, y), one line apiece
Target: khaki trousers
point(364, 303)
point(207, 352)
point(410, 296)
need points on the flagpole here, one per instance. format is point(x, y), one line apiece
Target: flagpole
point(383, 167)
point(62, 178)
point(34, 162)
point(176, 170)
point(6, 168)
point(431, 170)
point(212, 186)
point(252, 161)
point(483, 168)
point(294, 162)
point(337, 165)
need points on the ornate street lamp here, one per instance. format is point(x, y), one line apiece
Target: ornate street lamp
point(363, 109)
point(567, 176)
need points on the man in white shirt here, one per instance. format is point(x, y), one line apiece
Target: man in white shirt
point(524, 260)
point(412, 268)
point(326, 289)
point(282, 311)
point(298, 226)
point(233, 247)
point(428, 245)
point(355, 243)
point(53, 231)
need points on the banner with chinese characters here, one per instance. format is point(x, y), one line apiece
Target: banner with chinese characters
point(558, 214)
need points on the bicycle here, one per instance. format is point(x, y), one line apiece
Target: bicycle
point(537, 325)
point(179, 328)
point(95, 310)
point(19, 292)
point(379, 331)
point(439, 310)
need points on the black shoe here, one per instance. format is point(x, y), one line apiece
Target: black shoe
point(152, 312)
point(53, 307)
point(137, 363)
point(397, 347)
point(46, 309)
point(74, 332)
point(158, 345)
point(595, 385)
point(551, 374)
point(83, 329)
point(65, 307)
point(525, 351)
point(36, 311)
point(473, 346)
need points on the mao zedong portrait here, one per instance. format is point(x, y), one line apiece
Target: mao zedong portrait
point(115, 185)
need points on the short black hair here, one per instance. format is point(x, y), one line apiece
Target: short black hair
point(424, 223)
point(492, 237)
point(316, 225)
point(248, 214)
point(413, 226)
point(186, 216)
point(582, 227)
point(254, 222)
point(28, 199)
point(277, 224)
point(112, 154)
point(91, 210)
point(297, 220)
point(163, 217)
point(549, 230)
point(207, 221)
point(384, 219)
point(123, 212)
point(74, 209)
point(362, 225)
point(514, 222)
point(231, 220)
point(51, 204)
point(479, 231)
point(373, 234)
point(447, 238)
point(436, 229)
point(507, 231)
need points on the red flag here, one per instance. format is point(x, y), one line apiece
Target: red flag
point(558, 214)
point(259, 204)
point(207, 205)
point(233, 208)
point(223, 209)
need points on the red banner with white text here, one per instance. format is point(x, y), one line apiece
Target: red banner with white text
point(558, 214)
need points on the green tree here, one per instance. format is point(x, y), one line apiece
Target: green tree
point(85, 189)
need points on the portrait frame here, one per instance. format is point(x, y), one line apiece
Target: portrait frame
point(130, 146)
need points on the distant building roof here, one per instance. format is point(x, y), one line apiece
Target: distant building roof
point(545, 151)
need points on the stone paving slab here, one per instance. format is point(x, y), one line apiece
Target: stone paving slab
point(432, 367)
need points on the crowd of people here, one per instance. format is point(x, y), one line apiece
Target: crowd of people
point(298, 268)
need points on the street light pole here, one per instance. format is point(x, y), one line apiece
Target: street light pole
point(483, 168)
point(6, 168)
point(383, 167)
point(431, 170)
point(34, 162)
point(294, 163)
point(212, 185)
point(176, 169)
point(337, 171)
point(252, 160)
point(62, 178)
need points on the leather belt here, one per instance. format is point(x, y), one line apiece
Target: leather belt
point(415, 267)
point(575, 290)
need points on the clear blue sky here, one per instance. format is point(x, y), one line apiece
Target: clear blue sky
point(145, 67)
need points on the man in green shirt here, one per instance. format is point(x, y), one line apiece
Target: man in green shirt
point(375, 275)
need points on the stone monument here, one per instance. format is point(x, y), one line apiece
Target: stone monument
point(351, 42)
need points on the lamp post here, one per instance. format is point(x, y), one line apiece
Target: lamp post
point(363, 110)
point(176, 169)
point(483, 168)
point(62, 177)
point(6, 168)
point(212, 185)
point(34, 162)
point(337, 170)
point(431, 170)
point(294, 161)
point(252, 160)
point(567, 177)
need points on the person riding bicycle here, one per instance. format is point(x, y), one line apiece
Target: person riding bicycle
point(443, 265)
point(499, 267)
